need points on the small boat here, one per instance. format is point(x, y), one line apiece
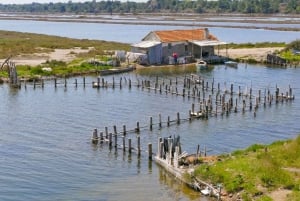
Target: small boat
point(201, 65)
point(206, 191)
point(231, 64)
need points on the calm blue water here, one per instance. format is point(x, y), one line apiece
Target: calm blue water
point(45, 148)
point(134, 33)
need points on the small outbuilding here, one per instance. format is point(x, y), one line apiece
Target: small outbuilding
point(160, 46)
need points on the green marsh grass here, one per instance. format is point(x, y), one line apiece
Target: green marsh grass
point(265, 166)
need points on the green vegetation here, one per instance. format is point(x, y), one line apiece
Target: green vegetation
point(16, 44)
point(174, 6)
point(254, 45)
point(258, 170)
point(288, 53)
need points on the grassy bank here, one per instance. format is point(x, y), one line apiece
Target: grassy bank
point(16, 43)
point(258, 170)
point(254, 45)
point(26, 44)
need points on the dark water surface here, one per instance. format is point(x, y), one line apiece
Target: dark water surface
point(45, 148)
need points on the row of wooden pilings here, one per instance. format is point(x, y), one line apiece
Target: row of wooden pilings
point(112, 140)
point(190, 87)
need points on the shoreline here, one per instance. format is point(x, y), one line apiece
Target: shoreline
point(163, 19)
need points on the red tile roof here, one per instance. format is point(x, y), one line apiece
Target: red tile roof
point(184, 35)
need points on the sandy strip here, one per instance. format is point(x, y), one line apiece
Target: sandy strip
point(68, 55)
point(65, 55)
point(258, 54)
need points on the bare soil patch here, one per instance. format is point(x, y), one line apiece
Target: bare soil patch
point(65, 55)
point(258, 54)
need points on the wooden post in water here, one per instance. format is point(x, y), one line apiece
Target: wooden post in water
point(113, 84)
point(168, 122)
point(193, 108)
point(55, 83)
point(129, 83)
point(34, 84)
point(95, 136)
point(139, 145)
point(101, 137)
point(84, 82)
point(65, 82)
point(120, 82)
point(124, 147)
point(159, 118)
point(98, 82)
point(129, 145)
point(110, 140)
point(106, 131)
point(116, 140)
point(159, 148)
point(150, 151)
point(124, 130)
point(115, 130)
point(178, 118)
point(151, 123)
point(137, 129)
point(76, 83)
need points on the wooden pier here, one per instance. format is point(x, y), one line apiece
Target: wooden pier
point(170, 157)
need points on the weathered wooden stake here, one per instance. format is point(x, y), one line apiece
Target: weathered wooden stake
point(139, 144)
point(124, 147)
point(101, 137)
point(55, 82)
point(115, 130)
point(106, 131)
point(116, 140)
point(150, 151)
point(178, 118)
point(124, 130)
point(95, 136)
point(159, 117)
point(65, 82)
point(110, 140)
point(151, 123)
point(137, 129)
point(129, 145)
point(168, 122)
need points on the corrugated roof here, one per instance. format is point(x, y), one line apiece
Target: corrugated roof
point(205, 43)
point(146, 44)
point(184, 35)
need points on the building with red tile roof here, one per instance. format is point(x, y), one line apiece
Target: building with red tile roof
point(159, 46)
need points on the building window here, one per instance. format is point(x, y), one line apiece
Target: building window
point(169, 45)
point(185, 48)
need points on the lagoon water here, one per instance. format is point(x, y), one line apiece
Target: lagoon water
point(127, 33)
point(45, 148)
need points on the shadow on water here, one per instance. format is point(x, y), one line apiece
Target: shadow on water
point(167, 70)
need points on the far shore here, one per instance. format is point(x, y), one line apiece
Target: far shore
point(170, 19)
